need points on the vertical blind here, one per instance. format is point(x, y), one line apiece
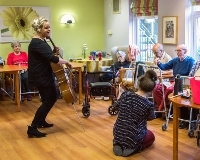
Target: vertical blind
point(195, 2)
point(145, 7)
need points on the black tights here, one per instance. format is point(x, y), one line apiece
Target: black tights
point(24, 82)
point(49, 96)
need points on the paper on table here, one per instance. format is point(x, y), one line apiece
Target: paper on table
point(168, 84)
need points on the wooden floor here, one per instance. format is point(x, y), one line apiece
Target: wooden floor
point(67, 140)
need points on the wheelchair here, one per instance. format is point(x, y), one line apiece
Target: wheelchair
point(97, 89)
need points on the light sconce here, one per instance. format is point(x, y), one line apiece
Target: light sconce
point(67, 19)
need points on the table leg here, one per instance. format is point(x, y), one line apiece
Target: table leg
point(17, 92)
point(175, 131)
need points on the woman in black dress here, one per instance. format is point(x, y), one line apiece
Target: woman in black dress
point(40, 74)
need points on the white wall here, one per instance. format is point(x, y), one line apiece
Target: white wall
point(119, 23)
point(180, 8)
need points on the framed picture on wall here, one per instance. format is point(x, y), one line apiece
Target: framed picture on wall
point(116, 6)
point(16, 22)
point(169, 29)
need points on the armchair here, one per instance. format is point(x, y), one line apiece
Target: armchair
point(113, 53)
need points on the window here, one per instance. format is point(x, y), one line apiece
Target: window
point(147, 36)
point(196, 35)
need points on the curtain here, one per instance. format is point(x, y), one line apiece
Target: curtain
point(144, 7)
point(195, 2)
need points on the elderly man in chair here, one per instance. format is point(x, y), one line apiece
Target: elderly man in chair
point(181, 65)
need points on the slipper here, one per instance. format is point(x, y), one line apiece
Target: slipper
point(127, 152)
point(117, 150)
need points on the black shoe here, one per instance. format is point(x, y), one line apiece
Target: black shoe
point(33, 132)
point(45, 125)
point(159, 115)
point(183, 125)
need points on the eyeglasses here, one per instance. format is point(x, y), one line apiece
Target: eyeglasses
point(178, 50)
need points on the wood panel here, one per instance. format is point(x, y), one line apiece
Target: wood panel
point(67, 140)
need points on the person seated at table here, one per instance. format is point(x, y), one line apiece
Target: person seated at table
point(160, 54)
point(130, 129)
point(181, 65)
point(121, 63)
point(18, 57)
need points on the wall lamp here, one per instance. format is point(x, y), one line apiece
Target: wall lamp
point(67, 19)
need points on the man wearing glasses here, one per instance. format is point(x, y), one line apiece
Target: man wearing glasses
point(181, 65)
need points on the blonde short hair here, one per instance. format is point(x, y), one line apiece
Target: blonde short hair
point(38, 23)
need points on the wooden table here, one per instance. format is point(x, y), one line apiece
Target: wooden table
point(14, 69)
point(177, 103)
point(78, 67)
point(95, 65)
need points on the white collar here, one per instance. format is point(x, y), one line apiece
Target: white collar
point(183, 59)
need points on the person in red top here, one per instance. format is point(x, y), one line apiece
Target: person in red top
point(17, 57)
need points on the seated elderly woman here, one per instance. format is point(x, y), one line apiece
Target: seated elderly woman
point(121, 63)
point(18, 57)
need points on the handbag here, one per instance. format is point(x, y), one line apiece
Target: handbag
point(195, 88)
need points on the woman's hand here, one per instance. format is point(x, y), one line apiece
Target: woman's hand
point(56, 50)
point(69, 65)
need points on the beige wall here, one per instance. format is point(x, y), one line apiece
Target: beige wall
point(181, 9)
point(89, 26)
point(119, 24)
point(124, 25)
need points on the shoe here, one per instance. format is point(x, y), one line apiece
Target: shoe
point(45, 125)
point(105, 98)
point(183, 125)
point(158, 115)
point(29, 98)
point(22, 98)
point(117, 150)
point(33, 132)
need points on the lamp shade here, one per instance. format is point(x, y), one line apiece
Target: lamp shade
point(67, 19)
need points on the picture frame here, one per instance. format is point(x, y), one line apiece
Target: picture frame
point(116, 6)
point(19, 25)
point(169, 29)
